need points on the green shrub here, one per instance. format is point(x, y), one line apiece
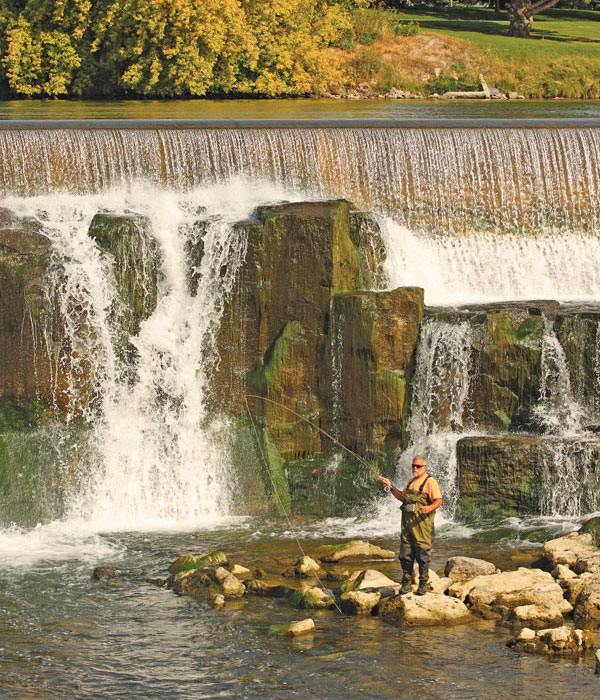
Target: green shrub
point(365, 64)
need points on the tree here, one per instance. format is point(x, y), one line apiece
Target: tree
point(520, 15)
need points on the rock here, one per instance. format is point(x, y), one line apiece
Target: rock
point(268, 589)
point(240, 571)
point(598, 662)
point(207, 581)
point(463, 568)
point(231, 586)
point(297, 629)
point(160, 582)
point(587, 604)
point(305, 568)
point(128, 239)
point(312, 598)
point(337, 576)
point(567, 550)
point(355, 550)
point(218, 600)
point(277, 340)
point(563, 573)
point(540, 615)
point(193, 561)
point(588, 563)
point(101, 572)
point(431, 609)
point(510, 589)
point(368, 579)
point(359, 602)
point(559, 640)
point(591, 526)
point(512, 95)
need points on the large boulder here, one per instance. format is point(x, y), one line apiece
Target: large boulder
point(188, 562)
point(592, 527)
point(127, 239)
point(431, 609)
point(355, 550)
point(207, 582)
point(37, 357)
point(510, 589)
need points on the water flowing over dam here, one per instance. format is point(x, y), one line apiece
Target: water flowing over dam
point(474, 214)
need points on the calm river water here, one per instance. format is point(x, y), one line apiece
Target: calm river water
point(300, 109)
point(63, 635)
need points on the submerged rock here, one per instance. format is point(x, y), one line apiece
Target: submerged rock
point(312, 598)
point(196, 561)
point(207, 581)
point(355, 550)
point(298, 629)
point(431, 609)
point(560, 640)
point(268, 589)
point(103, 572)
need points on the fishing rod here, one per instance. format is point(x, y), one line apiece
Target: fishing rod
point(275, 491)
point(316, 427)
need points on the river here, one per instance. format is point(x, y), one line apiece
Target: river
point(152, 494)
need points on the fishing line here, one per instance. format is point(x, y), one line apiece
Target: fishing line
point(276, 492)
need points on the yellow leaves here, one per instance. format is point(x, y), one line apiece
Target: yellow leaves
point(173, 47)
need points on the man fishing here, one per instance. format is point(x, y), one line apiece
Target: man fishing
point(420, 499)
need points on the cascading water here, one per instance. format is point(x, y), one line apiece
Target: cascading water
point(473, 215)
point(557, 411)
point(157, 456)
point(430, 179)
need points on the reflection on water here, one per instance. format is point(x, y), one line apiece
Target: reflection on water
point(296, 109)
point(63, 635)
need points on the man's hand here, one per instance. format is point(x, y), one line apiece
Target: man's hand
point(385, 482)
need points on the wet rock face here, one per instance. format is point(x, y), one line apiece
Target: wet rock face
point(31, 330)
point(518, 474)
point(127, 239)
point(299, 329)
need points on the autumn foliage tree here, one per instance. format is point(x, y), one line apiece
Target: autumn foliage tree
point(169, 48)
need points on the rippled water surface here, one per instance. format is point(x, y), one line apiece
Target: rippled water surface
point(63, 635)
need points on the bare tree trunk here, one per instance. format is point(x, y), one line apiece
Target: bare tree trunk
point(520, 22)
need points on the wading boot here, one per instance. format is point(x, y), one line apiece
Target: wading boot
point(422, 588)
point(406, 584)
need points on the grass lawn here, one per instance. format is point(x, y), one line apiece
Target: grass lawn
point(561, 59)
point(555, 33)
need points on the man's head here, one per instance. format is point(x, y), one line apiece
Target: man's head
point(419, 465)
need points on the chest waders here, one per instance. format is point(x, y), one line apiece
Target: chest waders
point(416, 538)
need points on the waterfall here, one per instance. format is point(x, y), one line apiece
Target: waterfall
point(557, 411)
point(439, 402)
point(157, 455)
point(431, 179)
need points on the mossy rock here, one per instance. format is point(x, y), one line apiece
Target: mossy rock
point(592, 527)
point(189, 562)
point(311, 599)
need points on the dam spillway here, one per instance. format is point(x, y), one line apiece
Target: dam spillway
point(473, 213)
point(443, 176)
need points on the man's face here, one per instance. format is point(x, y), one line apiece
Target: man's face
point(418, 467)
